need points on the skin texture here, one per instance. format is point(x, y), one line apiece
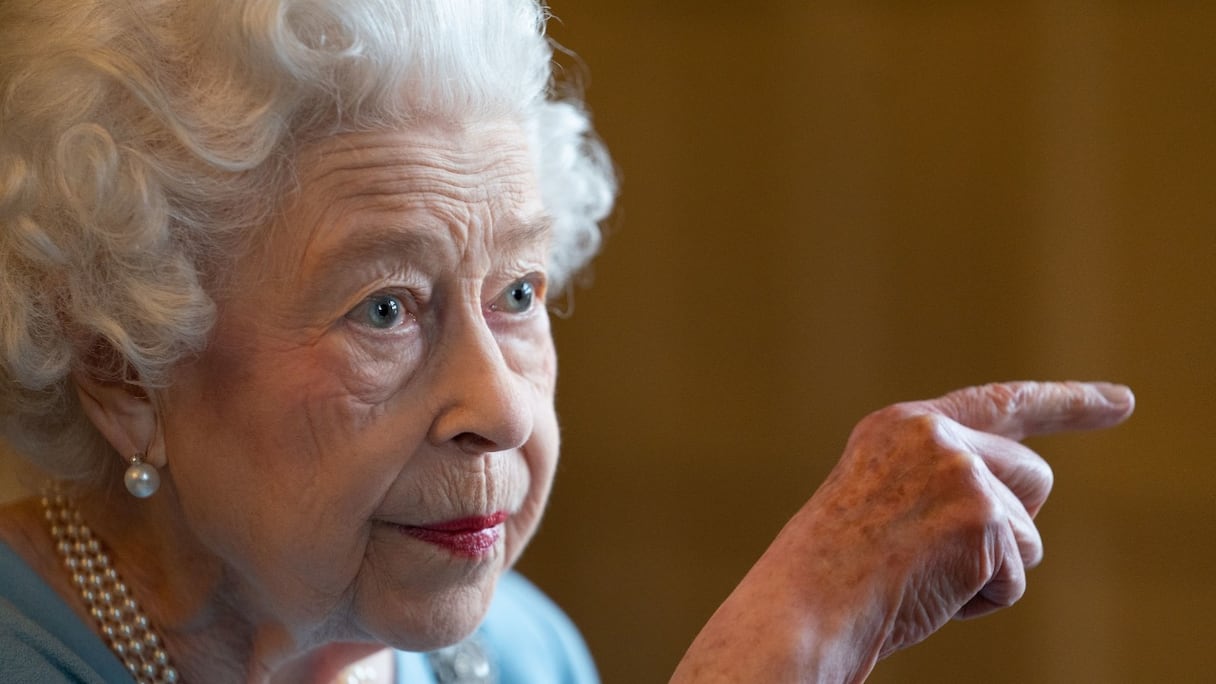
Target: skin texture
point(321, 420)
point(314, 426)
point(927, 516)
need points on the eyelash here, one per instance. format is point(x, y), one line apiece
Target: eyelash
point(402, 302)
point(405, 303)
point(534, 283)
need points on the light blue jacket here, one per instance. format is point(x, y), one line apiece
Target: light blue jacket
point(528, 637)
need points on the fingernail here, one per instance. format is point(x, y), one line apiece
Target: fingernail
point(1116, 395)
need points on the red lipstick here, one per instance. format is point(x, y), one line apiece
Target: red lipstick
point(471, 537)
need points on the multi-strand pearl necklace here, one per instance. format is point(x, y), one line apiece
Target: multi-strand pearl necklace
point(123, 624)
point(130, 635)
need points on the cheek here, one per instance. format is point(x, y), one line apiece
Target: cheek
point(540, 455)
point(372, 371)
point(265, 461)
point(530, 354)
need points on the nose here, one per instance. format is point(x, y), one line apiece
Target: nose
point(483, 405)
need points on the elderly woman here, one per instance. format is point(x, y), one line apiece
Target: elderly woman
point(272, 329)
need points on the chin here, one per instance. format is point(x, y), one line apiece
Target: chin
point(442, 619)
point(437, 636)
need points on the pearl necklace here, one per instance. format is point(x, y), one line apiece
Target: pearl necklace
point(123, 624)
point(129, 633)
point(467, 662)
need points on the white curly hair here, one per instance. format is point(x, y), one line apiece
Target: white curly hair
point(143, 144)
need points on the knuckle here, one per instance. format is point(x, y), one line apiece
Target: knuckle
point(962, 479)
point(1034, 554)
point(1044, 474)
point(927, 429)
point(1006, 402)
point(925, 437)
point(983, 514)
point(1004, 397)
point(1013, 591)
point(1079, 401)
point(887, 424)
point(889, 415)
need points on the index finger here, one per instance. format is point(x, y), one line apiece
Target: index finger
point(1019, 409)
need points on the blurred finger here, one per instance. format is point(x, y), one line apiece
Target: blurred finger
point(1007, 585)
point(1019, 409)
point(1026, 537)
point(1018, 467)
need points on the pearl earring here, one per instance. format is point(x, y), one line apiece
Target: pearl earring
point(141, 479)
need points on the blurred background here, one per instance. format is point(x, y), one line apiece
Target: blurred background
point(831, 206)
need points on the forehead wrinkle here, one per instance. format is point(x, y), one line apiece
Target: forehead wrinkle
point(408, 220)
point(393, 201)
point(413, 191)
point(374, 245)
point(415, 185)
point(432, 166)
point(403, 244)
point(519, 234)
point(381, 218)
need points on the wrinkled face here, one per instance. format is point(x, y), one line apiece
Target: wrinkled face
point(369, 440)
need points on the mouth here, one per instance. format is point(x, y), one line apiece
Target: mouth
point(472, 537)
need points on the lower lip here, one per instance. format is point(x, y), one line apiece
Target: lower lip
point(468, 537)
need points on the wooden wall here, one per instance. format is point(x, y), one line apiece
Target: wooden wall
point(831, 206)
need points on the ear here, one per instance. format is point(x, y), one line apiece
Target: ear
point(124, 414)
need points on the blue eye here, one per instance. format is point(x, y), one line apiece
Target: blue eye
point(517, 298)
point(378, 311)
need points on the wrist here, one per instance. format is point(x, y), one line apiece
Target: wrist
point(803, 613)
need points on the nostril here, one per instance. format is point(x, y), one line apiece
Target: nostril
point(474, 444)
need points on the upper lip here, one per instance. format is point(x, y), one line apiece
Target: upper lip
point(472, 523)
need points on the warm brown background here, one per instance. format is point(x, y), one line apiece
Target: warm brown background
point(829, 207)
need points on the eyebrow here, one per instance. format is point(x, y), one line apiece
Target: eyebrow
point(392, 241)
